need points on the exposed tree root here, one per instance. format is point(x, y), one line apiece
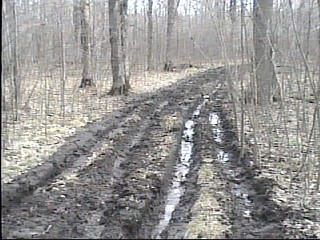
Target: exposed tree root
point(122, 90)
point(86, 82)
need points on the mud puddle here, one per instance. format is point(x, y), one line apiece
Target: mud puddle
point(218, 135)
point(240, 190)
point(217, 130)
point(253, 212)
point(181, 169)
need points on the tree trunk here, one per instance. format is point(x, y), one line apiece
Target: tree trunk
point(319, 39)
point(118, 57)
point(76, 20)
point(233, 15)
point(318, 110)
point(13, 38)
point(172, 10)
point(63, 67)
point(233, 9)
point(124, 43)
point(265, 74)
point(150, 36)
point(86, 80)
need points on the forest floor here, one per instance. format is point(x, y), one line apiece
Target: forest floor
point(164, 164)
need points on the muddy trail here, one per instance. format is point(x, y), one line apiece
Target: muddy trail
point(165, 166)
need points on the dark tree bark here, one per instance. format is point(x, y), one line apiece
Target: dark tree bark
point(172, 11)
point(265, 74)
point(124, 43)
point(118, 41)
point(76, 20)
point(150, 36)
point(14, 64)
point(233, 9)
point(86, 80)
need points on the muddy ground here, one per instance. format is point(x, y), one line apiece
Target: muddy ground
point(112, 180)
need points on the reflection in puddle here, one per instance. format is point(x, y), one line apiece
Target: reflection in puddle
point(181, 171)
point(223, 156)
point(217, 130)
point(214, 120)
point(241, 192)
point(197, 111)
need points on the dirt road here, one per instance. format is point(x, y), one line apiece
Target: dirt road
point(166, 165)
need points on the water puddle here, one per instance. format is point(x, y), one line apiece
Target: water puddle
point(217, 130)
point(215, 121)
point(223, 156)
point(181, 171)
point(240, 191)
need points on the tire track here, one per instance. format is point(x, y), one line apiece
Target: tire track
point(125, 181)
point(184, 214)
point(138, 208)
point(59, 189)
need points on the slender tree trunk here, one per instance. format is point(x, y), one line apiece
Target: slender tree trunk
point(150, 36)
point(76, 20)
point(124, 43)
point(4, 77)
point(242, 41)
point(86, 80)
point(76, 28)
point(118, 41)
point(265, 74)
point(172, 10)
point(319, 40)
point(233, 9)
point(13, 36)
point(63, 67)
point(318, 108)
point(233, 14)
point(113, 29)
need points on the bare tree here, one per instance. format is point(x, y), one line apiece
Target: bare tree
point(85, 44)
point(150, 36)
point(318, 110)
point(265, 74)
point(76, 23)
point(13, 48)
point(233, 9)
point(118, 41)
point(172, 11)
point(124, 42)
point(319, 38)
point(76, 19)
point(118, 84)
point(63, 64)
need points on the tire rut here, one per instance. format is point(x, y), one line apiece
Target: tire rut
point(225, 196)
point(75, 185)
point(123, 182)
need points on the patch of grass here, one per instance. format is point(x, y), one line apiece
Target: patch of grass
point(206, 212)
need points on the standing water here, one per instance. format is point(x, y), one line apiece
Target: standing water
point(240, 191)
point(181, 171)
point(217, 130)
point(214, 120)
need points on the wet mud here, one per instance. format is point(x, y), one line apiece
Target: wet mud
point(166, 166)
